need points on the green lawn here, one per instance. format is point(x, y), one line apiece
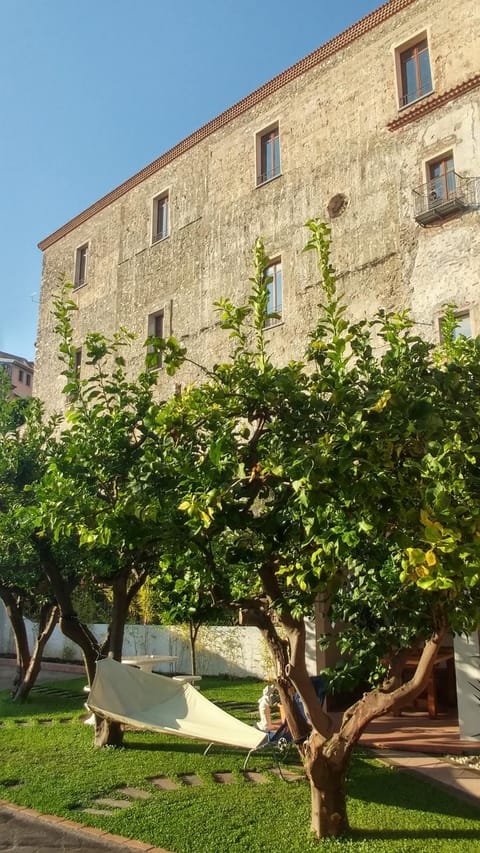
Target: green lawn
point(47, 762)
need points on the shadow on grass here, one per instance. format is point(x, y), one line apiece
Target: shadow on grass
point(385, 786)
point(185, 747)
point(171, 746)
point(413, 834)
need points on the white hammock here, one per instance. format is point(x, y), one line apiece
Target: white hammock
point(156, 703)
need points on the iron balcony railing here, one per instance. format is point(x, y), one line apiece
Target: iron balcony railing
point(264, 177)
point(415, 95)
point(444, 195)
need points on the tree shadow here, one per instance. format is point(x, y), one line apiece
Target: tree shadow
point(183, 746)
point(383, 785)
point(453, 835)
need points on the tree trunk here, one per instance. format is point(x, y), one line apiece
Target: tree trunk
point(253, 612)
point(327, 773)
point(193, 630)
point(70, 625)
point(14, 610)
point(81, 635)
point(327, 760)
point(108, 732)
point(326, 756)
point(48, 619)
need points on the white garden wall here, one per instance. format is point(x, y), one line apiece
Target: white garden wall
point(221, 650)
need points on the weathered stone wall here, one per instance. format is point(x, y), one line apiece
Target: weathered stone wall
point(334, 138)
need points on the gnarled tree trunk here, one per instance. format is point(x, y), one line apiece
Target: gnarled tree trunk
point(13, 606)
point(48, 619)
point(327, 755)
point(327, 759)
point(254, 612)
point(125, 587)
point(327, 774)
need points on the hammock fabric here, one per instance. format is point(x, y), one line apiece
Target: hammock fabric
point(156, 703)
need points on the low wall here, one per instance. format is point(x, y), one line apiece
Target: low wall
point(236, 651)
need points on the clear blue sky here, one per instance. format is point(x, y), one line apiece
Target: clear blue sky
point(92, 91)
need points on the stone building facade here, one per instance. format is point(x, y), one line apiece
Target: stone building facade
point(20, 372)
point(377, 131)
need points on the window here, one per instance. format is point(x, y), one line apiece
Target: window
point(274, 287)
point(441, 179)
point(463, 327)
point(268, 155)
point(20, 375)
point(160, 218)
point(444, 193)
point(155, 330)
point(78, 362)
point(81, 266)
point(415, 73)
point(28, 379)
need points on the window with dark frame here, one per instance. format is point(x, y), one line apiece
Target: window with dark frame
point(416, 75)
point(156, 330)
point(160, 218)
point(28, 379)
point(275, 293)
point(78, 361)
point(81, 259)
point(20, 375)
point(441, 179)
point(268, 156)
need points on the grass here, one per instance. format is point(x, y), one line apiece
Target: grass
point(47, 762)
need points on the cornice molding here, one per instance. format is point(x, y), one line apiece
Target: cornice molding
point(433, 102)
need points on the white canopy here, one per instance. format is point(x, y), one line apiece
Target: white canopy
point(157, 703)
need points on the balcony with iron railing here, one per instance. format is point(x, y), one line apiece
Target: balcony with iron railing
point(445, 195)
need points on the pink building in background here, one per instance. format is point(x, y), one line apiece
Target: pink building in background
point(20, 371)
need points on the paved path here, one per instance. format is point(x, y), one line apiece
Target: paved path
point(458, 779)
point(25, 831)
point(50, 672)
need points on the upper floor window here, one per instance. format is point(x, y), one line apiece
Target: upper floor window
point(160, 218)
point(20, 375)
point(275, 292)
point(415, 72)
point(81, 261)
point(28, 379)
point(156, 330)
point(268, 154)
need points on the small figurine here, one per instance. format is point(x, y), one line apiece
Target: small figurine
point(268, 698)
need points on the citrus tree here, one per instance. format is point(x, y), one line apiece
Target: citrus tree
point(25, 442)
point(352, 476)
point(92, 489)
